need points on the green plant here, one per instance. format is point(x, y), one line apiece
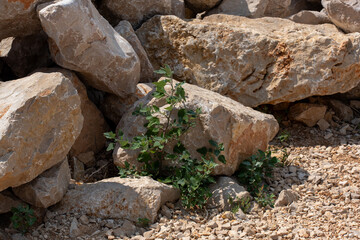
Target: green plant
point(284, 136)
point(264, 198)
point(164, 128)
point(244, 204)
point(143, 222)
point(284, 159)
point(23, 218)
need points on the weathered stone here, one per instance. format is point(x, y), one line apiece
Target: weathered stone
point(127, 229)
point(286, 197)
point(25, 54)
point(355, 104)
point(307, 113)
point(137, 12)
point(78, 167)
point(225, 191)
point(7, 201)
point(87, 158)
point(125, 198)
point(222, 120)
point(80, 39)
point(353, 93)
point(125, 29)
point(255, 61)
point(310, 17)
point(284, 8)
point(40, 118)
point(115, 107)
point(18, 18)
point(201, 5)
point(344, 13)
point(245, 8)
point(323, 124)
point(48, 188)
point(341, 110)
point(91, 137)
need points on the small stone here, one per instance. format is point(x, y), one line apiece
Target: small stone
point(328, 136)
point(165, 211)
point(74, 229)
point(323, 124)
point(285, 198)
point(87, 158)
point(212, 224)
point(84, 220)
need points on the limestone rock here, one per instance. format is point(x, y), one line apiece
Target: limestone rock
point(224, 189)
point(25, 54)
point(202, 5)
point(18, 18)
point(344, 13)
point(222, 120)
point(323, 124)
point(255, 61)
point(245, 8)
point(7, 201)
point(286, 197)
point(137, 12)
point(307, 113)
point(342, 111)
point(310, 17)
point(83, 41)
point(40, 118)
point(284, 8)
point(48, 188)
point(125, 198)
point(353, 93)
point(125, 30)
point(91, 137)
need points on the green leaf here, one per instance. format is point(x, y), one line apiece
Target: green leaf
point(221, 158)
point(110, 135)
point(110, 147)
point(202, 150)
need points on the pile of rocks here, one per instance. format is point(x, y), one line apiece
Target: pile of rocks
point(71, 70)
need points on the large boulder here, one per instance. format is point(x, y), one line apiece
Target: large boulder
point(284, 8)
point(40, 118)
point(344, 13)
point(80, 39)
point(25, 54)
point(242, 130)
point(136, 12)
point(18, 18)
point(91, 137)
point(48, 188)
point(255, 61)
point(122, 198)
point(202, 5)
point(125, 29)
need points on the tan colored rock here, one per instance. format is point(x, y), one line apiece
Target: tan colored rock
point(88, 158)
point(125, 30)
point(353, 93)
point(125, 198)
point(284, 8)
point(222, 120)
point(344, 13)
point(245, 8)
point(18, 18)
point(91, 137)
point(25, 54)
point(136, 12)
point(201, 5)
point(310, 17)
point(342, 110)
point(7, 201)
point(40, 118)
point(286, 197)
point(307, 113)
point(83, 41)
point(78, 168)
point(323, 124)
point(255, 61)
point(48, 188)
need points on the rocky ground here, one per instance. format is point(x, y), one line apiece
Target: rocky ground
point(325, 173)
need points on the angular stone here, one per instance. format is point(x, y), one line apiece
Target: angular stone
point(255, 61)
point(125, 30)
point(222, 120)
point(25, 54)
point(201, 5)
point(137, 12)
point(87, 158)
point(80, 39)
point(78, 167)
point(286, 197)
point(245, 8)
point(323, 124)
point(7, 201)
point(40, 115)
point(124, 198)
point(18, 18)
point(342, 110)
point(344, 13)
point(48, 188)
point(284, 8)
point(307, 113)
point(225, 189)
point(91, 137)
point(310, 17)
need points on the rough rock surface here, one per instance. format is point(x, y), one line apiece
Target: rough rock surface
point(255, 61)
point(125, 29)
point(222, 120)
point(342, 110)
point(310, 17)
point(307, 113)
point(138, 11)
point(284, 8)
point(18, 18)
point(222, 190)
point(124, 198)
point(91, 137)
point(285, 198)
point(245, 8)
point(7, 201)
point(25, 54)
point(40, 118)
point(83, 41)
point(344, 13)
point(48, 188)
point(202, 5)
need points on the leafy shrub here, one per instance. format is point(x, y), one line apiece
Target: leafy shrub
point(244, 204)
point(23, 218)
point(191, 176)
point(264, 198)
